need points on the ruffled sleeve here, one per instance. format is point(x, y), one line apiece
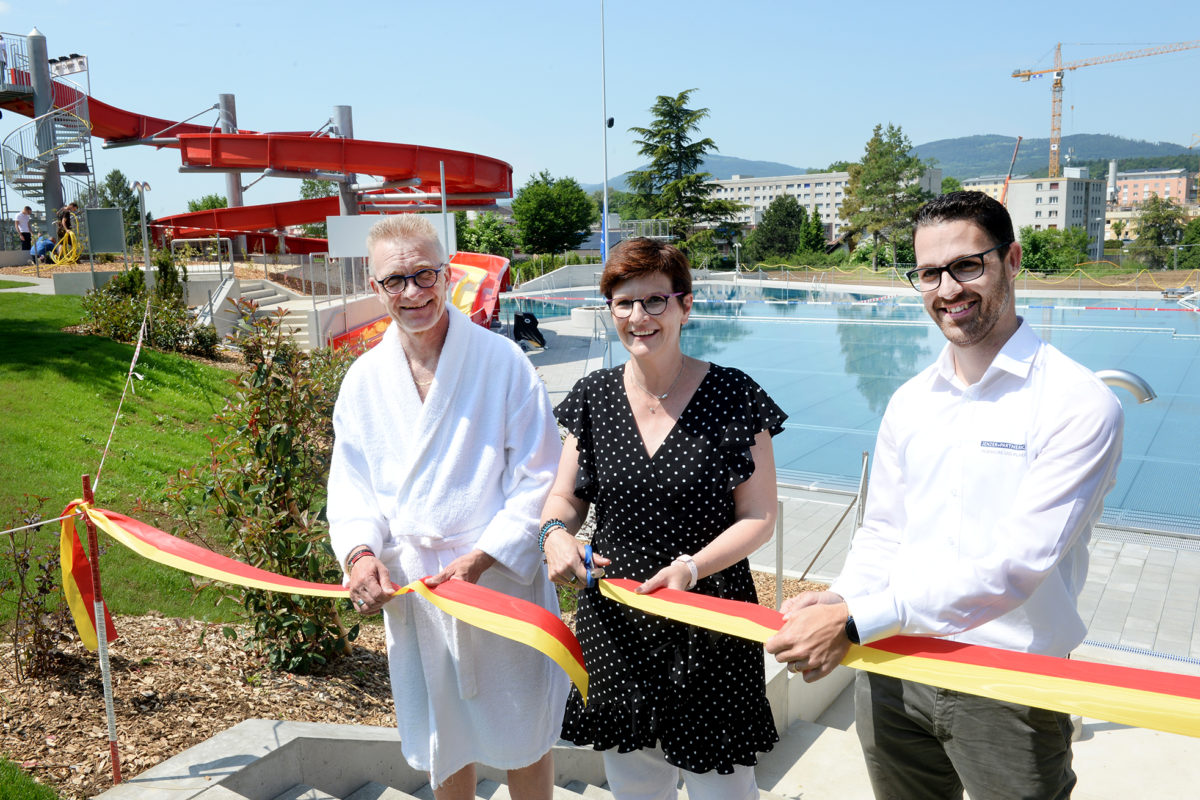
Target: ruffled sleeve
point(751, 411)
point(575, 414)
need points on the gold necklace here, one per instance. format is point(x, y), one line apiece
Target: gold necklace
point(667, 393)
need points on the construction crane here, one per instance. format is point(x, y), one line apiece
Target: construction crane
point(1057, 89)
point(1008, 177)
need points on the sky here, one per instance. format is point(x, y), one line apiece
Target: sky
point(795, 82)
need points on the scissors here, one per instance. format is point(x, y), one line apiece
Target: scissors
point(594, 573)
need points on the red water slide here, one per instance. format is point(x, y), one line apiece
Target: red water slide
point(471, 180)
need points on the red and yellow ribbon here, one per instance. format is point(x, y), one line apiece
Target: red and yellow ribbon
point(1139, 697)
point(476, 605)
point(1143, 698)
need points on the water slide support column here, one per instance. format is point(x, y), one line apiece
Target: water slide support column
point(227, 111)
point(43, 103)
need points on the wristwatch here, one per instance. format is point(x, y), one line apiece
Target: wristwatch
point(852, 631)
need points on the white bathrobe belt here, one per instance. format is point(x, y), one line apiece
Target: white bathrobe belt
point(431, 624)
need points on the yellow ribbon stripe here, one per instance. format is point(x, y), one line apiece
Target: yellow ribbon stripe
point(1120, 704)
point(511, 627)
point(509, 617)
point(660, 604)
point(1142, 698)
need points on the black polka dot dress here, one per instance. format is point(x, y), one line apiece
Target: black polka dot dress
point(700, 695)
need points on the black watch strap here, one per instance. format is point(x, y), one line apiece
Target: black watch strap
point(852, 631)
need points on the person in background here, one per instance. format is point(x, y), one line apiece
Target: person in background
point(23, 223)
point(675, 454)
point(991, 467)
point(444, 450)
point(40, 252)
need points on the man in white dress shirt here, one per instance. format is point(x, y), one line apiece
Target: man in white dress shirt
point(990, 469)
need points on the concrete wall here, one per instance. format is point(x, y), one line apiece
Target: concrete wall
point(80, 283)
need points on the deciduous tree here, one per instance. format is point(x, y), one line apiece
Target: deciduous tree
point(311, 189)
point(552, 214)
point(1053, 251)
point(1189, 249)
point(885, 192)
point(951, 184)
point(487, 233)
point(1159, 226)
point(208, 202)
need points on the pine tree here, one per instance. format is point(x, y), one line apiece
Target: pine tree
point(813, 239)
point(781, 231)
point(673, 187)
point(884, 192)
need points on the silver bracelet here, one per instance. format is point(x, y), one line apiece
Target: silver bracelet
point(690, 563)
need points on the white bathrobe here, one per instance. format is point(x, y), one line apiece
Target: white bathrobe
point(424, 483)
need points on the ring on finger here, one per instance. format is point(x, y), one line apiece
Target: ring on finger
point(795, 666)
point(574, 579)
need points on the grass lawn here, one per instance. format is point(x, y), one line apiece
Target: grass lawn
point(6, 284)
point(16, 785)
point(58, 396)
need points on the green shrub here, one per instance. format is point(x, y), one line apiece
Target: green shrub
point(204, 341)
point(32, 590)
point(265, 484)
point(116, 309)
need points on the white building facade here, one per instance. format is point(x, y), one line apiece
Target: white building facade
point(818, 192)
point(1072, 201)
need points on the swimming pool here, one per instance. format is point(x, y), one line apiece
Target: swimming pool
point(833, 359)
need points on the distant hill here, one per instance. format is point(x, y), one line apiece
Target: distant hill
point(976, 156)
point(720, 167)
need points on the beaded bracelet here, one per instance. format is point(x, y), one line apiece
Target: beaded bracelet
point(549, 526)
point(354, 556)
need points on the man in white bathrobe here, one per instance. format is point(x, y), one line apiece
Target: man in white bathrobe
point(445, 449)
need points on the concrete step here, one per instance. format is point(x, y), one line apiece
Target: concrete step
point(588, 790)
point(377, 791)
point(265, 297)
point(491, 790)
point(303, 792)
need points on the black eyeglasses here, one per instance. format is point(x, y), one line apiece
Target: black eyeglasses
point(423, 278)
point(963, 270)
point(653, 304)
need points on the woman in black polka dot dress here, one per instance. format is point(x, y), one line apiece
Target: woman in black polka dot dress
point(676, 455)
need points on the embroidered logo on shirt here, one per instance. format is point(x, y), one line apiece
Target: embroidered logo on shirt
point(1014, 446)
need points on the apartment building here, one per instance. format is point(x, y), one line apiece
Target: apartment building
point(1134, 187)
point(991, 185)
point(1072, 201)
point(818, 192)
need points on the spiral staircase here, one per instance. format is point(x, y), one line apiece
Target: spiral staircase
point(58, 140)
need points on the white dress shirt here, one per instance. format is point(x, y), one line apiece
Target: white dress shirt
point(982, 501)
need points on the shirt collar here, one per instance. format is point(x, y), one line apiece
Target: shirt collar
point(1016, 357)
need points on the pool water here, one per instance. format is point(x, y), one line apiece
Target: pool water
point(832, 361)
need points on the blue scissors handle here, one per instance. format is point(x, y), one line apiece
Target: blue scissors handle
point(589, 567)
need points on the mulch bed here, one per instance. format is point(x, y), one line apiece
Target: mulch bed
point(178, 682)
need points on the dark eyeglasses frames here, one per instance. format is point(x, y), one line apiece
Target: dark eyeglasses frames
point(963, 270)
point(423, 278)
point(653, 305)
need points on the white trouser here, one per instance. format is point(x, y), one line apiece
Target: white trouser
point(646, 775)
